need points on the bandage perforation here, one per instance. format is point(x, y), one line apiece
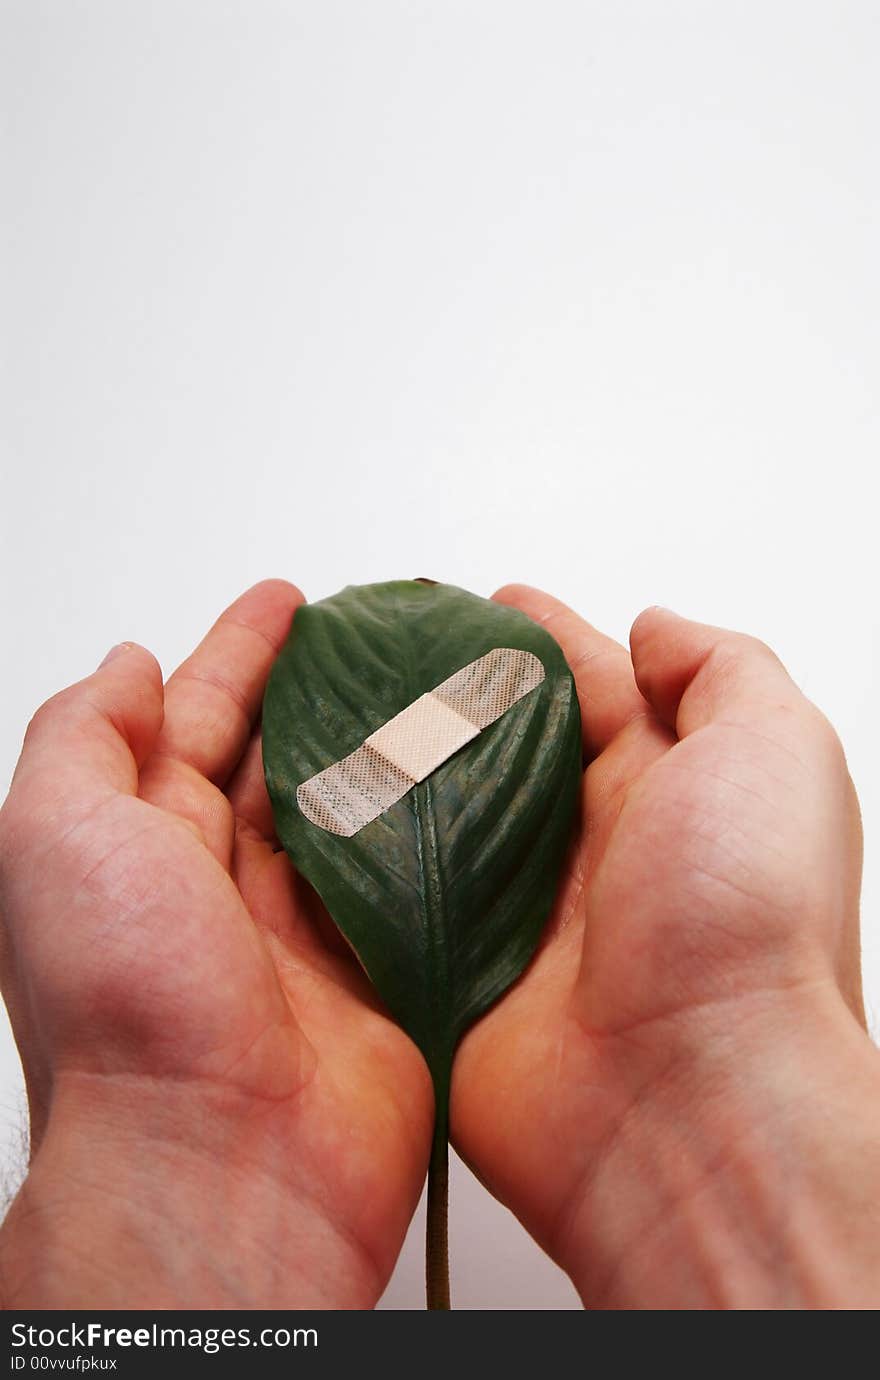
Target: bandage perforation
point(357, 789)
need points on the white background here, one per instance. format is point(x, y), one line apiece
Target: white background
point(579, 294)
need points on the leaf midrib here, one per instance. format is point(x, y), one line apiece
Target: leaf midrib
point(432, 900)
point(432, 896)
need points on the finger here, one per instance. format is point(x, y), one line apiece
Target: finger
point(247, 794)
point(291, 914)
point(694, 674)
point(602, 669)
point(281, 901)
point(702, 677)
point(87, 742)
point(641, 743)
point(213, 699)
point(178, 789)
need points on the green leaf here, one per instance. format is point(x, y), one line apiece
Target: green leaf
point(442, 897)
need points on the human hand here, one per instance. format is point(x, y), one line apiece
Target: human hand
point(678, 1098)
point(221, 1115)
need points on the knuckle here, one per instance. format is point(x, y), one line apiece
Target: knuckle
point(737, 648)
point(512, 593)
point(738, 658)
point(4, 840)
point(641, 628)
point(760, 649)
point(47, 714)
point(825, 735)
point(10, 835)
point(36, 722)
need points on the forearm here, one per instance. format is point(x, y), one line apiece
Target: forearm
point(158, 1199)
point(745, 1175)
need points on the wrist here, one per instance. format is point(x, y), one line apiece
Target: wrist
point(149, 1196)
point(747, 1171)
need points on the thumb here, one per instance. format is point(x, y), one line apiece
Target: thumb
point(88, 741)
point(693, 674)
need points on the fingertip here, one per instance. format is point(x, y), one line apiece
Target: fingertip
point(97, 732)
point(129, 691)
point(664, 658)
point(657, 637)
point(131, 660)
point(142, 657)
point(690, 672)
point(648, 620)
point(536, 604)
point(274, 593)
point(268, 608)
point(113, 653)
point(515, 594)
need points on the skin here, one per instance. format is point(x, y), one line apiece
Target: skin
point(687, 1051)
point(221, 1116)
point(678, 1099)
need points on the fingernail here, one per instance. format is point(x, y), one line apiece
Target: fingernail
point(115, 652)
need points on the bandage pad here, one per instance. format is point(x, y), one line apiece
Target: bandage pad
point(357, 789)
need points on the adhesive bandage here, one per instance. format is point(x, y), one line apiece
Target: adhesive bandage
point(357, 789)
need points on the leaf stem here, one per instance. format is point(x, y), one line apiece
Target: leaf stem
point(437, 1232)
